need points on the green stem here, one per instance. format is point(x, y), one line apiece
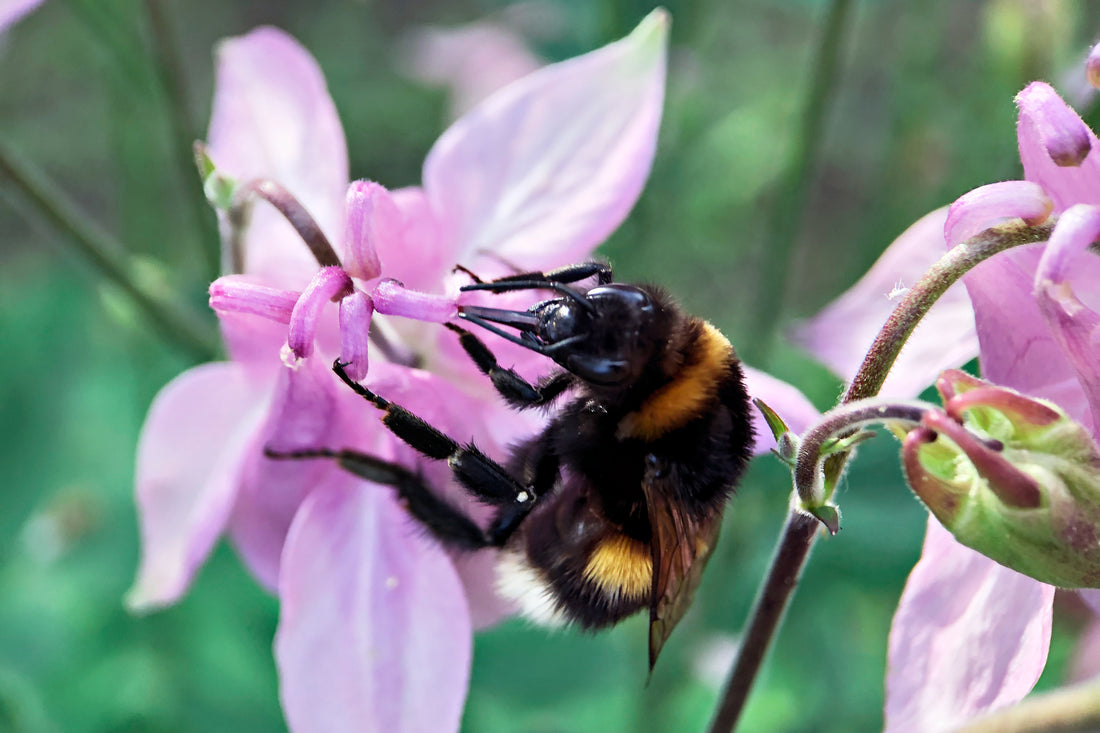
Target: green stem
point(841, 421)
point(1073, 709)
point(108, 257)
point(108, 28)
point(166, 59)
point(796, 541)
point(794, 190)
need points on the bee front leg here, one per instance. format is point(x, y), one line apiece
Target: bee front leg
point(512, 387)
point(567, 274)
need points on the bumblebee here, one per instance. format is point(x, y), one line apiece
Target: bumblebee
point(615, 506)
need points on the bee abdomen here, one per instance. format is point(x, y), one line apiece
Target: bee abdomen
point(621, 566)
point(592, 590)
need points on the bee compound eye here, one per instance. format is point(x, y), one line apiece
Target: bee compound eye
point(559, 321)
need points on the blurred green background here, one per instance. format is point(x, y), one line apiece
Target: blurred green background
point(921, 112)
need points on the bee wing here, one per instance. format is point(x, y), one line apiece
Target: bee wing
point(680, 549)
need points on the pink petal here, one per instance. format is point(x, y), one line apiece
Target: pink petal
point(253, 342)
point(370, 215)
point(969, 636)
point(188, 471)
point(993, 205)
point(419, 258)
point(12, 11)
point(1074, 326)
point(841, 334)
point(328, 283)
point(473, 60)
point(242, 294)
point(1048, 126)
point(467, 415)
point(273, 118)
point(304, 413)
point(374, 633)
point(1092, 598)
point(787, 402)
point(393, 299)
point(1017, 349)
point(549, 166)
point(355, 314)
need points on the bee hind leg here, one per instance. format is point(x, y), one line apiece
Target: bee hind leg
point(449, 525)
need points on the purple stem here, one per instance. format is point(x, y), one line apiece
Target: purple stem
point(295, 213)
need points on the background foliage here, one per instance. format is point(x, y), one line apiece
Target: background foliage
point(922, 112)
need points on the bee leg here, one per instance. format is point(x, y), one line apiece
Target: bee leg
point(449, 525)
point(480, 475)
point(511, 386)
point(567, 274)
point(555, 280)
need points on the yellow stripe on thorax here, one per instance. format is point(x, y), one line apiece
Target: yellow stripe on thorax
point(684, 398)
point(621, 566)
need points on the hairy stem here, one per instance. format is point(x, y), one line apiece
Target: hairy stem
point(796, 540)
point(899, 326)
point(109, 258)
point(1073, 709)
point(843, 420)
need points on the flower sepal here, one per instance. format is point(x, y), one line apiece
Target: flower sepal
point(218, 187)
point(1012, 477)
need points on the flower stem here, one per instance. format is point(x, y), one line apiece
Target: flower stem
point(795, 541)
point(1067, 710)
point(791, 199)
point(109, 28)
point(291, 208)
point(769, 607)
point(166, 61)
point(843, 420)
point(109, 258)
point(946, 272)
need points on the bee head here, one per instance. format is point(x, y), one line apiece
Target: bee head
point(607, 336)
point(605, 339)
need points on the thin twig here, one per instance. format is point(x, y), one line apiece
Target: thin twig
point(109, 258)
point(790, 202)
point(166, 58)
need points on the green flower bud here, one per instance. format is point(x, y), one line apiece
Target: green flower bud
point(218, 187)
point(1012, 477)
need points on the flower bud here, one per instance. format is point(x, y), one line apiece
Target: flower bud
point(1012, 477)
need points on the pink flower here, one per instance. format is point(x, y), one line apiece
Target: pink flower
point(375, 618)
point(12, 11)
point(971, 635)
point(472, 60)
